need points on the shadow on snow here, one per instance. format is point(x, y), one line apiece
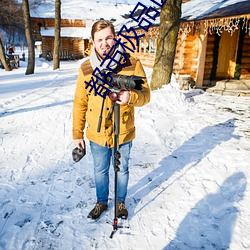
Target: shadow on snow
point(210, 223)
point(209, 215)
point(23, 110)
point(190, 153)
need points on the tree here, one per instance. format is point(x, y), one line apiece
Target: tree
point(11, 19)
point(28, 33)
point(3, 57)
point(168, 34)
point(56, 59)
point(11, 24)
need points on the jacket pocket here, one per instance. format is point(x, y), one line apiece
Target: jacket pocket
point(127, 120)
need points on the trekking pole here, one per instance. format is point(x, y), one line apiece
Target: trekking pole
point(117, 156)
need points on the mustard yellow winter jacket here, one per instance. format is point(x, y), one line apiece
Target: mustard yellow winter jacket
point(87, 107)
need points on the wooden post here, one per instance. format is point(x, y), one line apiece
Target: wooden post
point(144, 45)
point(149, 45)
point(201, 60)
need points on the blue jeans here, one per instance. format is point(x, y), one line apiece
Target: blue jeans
point(102, 158)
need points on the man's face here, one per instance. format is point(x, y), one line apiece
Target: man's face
point(103, 41)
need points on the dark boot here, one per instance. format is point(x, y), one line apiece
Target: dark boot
point(122, 211)
point(97, 210)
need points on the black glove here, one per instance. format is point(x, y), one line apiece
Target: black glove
point(78, 153)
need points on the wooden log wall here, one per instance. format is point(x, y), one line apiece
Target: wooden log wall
point(179, 60)
point(190, 56)
point(186, 55)
point(79, 46)
point(47, 45)
point(187, 50)
point(50, 22)
point(66, 44)
point(73, 45)
point(245, 60)
point(145, 51)
point(209, 57)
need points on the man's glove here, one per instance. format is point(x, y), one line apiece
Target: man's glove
point(78, 153)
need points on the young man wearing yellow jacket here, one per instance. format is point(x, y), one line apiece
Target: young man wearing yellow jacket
point(86, 110)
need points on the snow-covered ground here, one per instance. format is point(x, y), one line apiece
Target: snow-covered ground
point(189, 169)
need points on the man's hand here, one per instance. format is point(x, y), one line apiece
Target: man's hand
point(79, 143)
point(123, 97)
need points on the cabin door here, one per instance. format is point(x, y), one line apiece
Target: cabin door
point(227, 55)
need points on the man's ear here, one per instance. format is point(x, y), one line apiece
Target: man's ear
point(93, 42)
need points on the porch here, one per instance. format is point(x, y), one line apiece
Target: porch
point(231, 87)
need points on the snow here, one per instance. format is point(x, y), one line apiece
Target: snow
point(192, 10)
point(81, 32)
point(83, 10)
point(89, 10)
point(197, 9)
point(189, 169)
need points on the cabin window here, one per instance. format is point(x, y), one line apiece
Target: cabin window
point(146, 45)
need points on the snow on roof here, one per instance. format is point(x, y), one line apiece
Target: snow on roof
point(83, 10)
point(92, 10)
point(199, 9)
point(79, 32)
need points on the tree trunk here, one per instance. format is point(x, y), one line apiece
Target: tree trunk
point(28, 33)
point(164, 59)
point(56, 59)
point(3, 57)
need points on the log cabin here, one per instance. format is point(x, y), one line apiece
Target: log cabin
point(74, 37)
point(213, 43)
point(77, 19)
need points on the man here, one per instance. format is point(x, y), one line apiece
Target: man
point(86, 109)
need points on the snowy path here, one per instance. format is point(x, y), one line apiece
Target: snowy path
point(189, 171)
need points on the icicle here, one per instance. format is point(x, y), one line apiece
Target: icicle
point(217, 25)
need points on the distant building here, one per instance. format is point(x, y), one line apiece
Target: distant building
point(74, 37)
point(77, 19)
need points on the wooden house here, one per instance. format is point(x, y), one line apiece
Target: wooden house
point(77, 19)
point(213, 41)
point(74, 37)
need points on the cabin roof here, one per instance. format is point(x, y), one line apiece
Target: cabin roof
point(196, 10)
point(77, 32)
point(209, 9)
point(82, 10)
